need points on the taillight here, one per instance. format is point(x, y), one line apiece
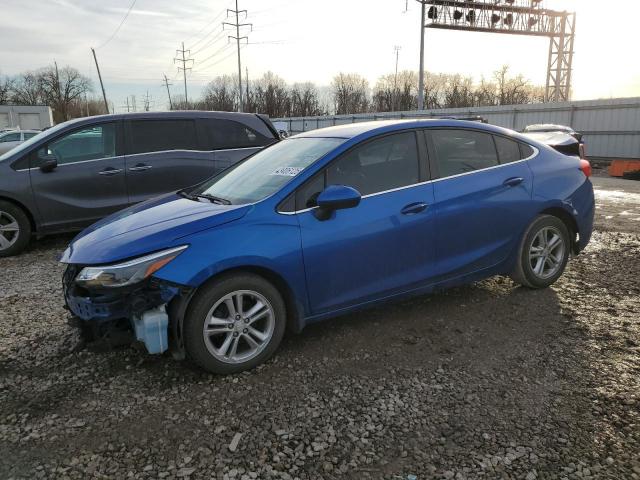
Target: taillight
point(585, 166)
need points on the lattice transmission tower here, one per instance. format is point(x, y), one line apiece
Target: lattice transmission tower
point(514, 17)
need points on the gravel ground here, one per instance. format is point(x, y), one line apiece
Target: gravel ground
point(485, 381)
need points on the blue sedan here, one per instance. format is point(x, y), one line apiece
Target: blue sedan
point(324, 223)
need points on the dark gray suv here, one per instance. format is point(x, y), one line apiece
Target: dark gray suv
point(77, 172)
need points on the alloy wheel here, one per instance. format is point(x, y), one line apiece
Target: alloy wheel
point(239, 326)
point(547, 252)
point(9, 230)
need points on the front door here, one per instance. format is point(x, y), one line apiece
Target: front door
point(383, 246)
point(88, 182)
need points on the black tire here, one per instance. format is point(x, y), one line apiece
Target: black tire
point(524, 273)
point(206, 298)
point(20, 239)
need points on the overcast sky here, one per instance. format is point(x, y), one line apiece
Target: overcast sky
point(299, 40)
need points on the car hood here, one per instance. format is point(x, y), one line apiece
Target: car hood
point(153, 225)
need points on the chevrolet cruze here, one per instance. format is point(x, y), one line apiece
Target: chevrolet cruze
point(321, 224)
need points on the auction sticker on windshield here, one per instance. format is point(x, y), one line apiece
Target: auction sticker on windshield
point(288, 171)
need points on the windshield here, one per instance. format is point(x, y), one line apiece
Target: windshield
point(267, 171)
point(27, 143)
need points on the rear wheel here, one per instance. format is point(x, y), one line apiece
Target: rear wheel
point(544, 253)
point(15, 229)
point(234, 324)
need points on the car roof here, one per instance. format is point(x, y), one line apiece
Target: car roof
point(353, 130)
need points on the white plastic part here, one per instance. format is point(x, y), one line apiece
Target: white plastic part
point(151, 328)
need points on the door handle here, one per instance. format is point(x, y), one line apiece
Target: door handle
point(110, 171)
point(414, 208)
point(513, 181)
point(140, 168)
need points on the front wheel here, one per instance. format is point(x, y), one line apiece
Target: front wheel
point(15, 229)
point(544, 253)
point(234, 323)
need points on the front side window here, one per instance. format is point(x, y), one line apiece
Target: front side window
point(223, 134)
point(10, 137)
point(162, 135)
point(90, 143)
point(379, 165)
point(462, 151)
point(267, 171)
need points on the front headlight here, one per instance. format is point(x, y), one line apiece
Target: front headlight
point(127, 273)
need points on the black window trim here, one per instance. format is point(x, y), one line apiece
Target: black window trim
point(424, 167)
point(433, 163)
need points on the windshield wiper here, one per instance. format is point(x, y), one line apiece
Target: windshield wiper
point(214, 199)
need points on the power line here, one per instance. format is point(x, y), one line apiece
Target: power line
point(214, 40)
point(238, 38)
point(217, 17)
point(220, 60)
point(119, 26)
point(184, 67)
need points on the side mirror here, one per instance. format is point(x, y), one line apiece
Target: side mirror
point(48, 162)
point(336, 197)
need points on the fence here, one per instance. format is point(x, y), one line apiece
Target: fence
point(611, 128)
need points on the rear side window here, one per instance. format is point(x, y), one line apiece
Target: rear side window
point(10, 137)
point(29, 135)
point(462, 151)
point(508, 150)
point(161, 135)
point(223, 134)
point(525, 150)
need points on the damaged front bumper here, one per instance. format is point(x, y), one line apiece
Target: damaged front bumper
point(146, 312)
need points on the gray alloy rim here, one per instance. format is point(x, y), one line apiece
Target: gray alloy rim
point(239, 326)
point(9, 230)
point(546, 253)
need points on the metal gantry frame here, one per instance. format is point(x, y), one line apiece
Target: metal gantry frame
point(514, 17)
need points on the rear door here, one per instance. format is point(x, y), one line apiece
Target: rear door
point(89, 181)
point(164, 155)
point(482, 198)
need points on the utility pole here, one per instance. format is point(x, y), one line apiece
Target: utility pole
point(421, 72)
point(147, 101)
point(184, 60)
point(128, 109)
point(246, 81)
point(396, 48)
point(104, 95)
point(133, 103)
point(238, 38)
point(167, 84)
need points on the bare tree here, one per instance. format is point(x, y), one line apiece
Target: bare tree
point(6, 86)
point(28, 89)
point(221, 94)
point(271, 96)
point(350, 93)
point(63, 87)
point(305, 100)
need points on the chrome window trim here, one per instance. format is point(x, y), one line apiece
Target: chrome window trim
point(535, 153)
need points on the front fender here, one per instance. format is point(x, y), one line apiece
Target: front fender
point(274, 247)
